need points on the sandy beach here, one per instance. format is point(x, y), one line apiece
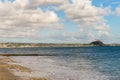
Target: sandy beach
point(8, 67)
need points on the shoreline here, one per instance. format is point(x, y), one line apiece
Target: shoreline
point(8, 67)
point(60, 46)
point(8, 55)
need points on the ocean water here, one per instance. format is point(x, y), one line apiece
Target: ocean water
point(72, 63)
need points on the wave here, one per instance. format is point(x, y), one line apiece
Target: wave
point(50, 67)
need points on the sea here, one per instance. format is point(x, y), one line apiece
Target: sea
point(71, 63)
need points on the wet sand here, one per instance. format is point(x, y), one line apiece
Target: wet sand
point(7, 66)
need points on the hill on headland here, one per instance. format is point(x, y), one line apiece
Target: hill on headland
point(97, 43)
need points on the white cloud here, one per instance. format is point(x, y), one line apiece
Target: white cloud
point(117, 11)
point(103, 35)
point(73, 37)
point(32, 4)
point(87, 15)
point(46, 2)
point(20, 19)
point(26, 18)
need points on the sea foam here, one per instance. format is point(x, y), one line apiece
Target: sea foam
point(49, 67)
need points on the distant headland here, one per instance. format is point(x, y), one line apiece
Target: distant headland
point(27, 45)
point(97, 43)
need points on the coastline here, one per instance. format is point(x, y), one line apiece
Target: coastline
point(8, 67)
point(43, 45)
point(48, 45)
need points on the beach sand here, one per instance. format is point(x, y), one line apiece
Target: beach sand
point(7, 66)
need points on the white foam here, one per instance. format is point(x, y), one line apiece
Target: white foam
point(47, 67)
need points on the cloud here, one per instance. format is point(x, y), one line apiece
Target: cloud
point(117, 11)
point(73, 37)
point(85, 14)
point(46, 2)
point(18, 18)
point(103, 35)
point(32, 4)
point(27, 19)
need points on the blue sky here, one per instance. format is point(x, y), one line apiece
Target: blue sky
point(113, 20)
point(60, 21)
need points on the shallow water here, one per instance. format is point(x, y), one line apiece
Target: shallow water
point(78, 63)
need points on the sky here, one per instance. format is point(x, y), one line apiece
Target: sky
point(59, 21)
